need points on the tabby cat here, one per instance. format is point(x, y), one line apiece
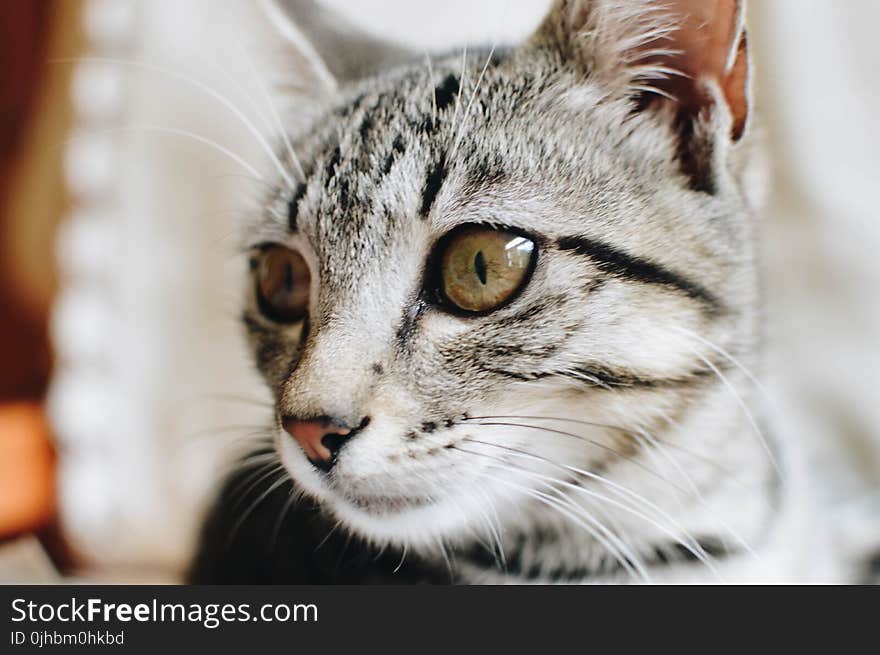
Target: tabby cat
point(507, 305)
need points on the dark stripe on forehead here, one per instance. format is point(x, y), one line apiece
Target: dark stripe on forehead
point(433, 183)
point(366, 126)
point(368, 120)
point(397, 149)
point(446, 92)
point(615, 262)
point(481, 176)
point(444, 95)
point(293, 205)
point(337, 186)
point(332, 163)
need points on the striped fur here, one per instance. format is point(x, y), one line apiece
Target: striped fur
point(628, 345)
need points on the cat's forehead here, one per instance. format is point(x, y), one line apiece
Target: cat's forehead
point(489, 138)
point(396, 135)
point(375, 162)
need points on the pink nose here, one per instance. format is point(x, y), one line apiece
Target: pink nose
point(321, 439)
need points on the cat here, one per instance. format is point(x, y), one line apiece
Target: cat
point(507, 302)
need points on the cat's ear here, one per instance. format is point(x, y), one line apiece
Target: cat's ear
point(688, 58)
point(336, 50)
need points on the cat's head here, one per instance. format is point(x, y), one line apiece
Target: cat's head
point(496, 269)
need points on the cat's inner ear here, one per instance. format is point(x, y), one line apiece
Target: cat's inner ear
point(688, 52)
point(708, 45)
point(336, 50)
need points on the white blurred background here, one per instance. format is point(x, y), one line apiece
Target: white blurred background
point(149, 396)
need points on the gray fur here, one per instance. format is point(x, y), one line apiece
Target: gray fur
point(550, 144)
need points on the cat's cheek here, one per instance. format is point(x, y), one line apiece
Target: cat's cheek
point(276, 353)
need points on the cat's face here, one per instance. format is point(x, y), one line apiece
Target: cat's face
point(488, 275)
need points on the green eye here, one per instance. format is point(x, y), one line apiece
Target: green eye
point(482, 268)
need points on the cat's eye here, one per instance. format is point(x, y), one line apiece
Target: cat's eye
point(283, 282)
point(482, 268)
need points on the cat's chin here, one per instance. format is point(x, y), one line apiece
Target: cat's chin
point(401, 522)
point(387, 505)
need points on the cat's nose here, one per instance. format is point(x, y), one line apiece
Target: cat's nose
point(321, 439)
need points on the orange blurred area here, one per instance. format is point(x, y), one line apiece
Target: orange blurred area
point(36, 116)
point(27, 464)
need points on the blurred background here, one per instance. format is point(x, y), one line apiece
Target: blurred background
point(127, 157)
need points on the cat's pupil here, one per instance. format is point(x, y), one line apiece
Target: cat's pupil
point(288, 277)
point(480, 266)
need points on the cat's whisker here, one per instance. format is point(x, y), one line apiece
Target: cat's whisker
point(433, 87)
point(329, 534)
point(230, 432)
point(172, 131)
point(598, 444)
point(650, 446)
point(607, 426)
point(467, 111)
point(282, 515)
point(257, 458)
point(283, 478)
point(201, 399)
point(380, 551)
point(476, 534)
point(658, 443)
point(687, 541)
point(765, 393)
point(211, 92)
point(668, 444)
point(279, 125)
point(269, 186)
point(495, 530)
point(653, 444)
point(691, 544)
point(743, 406)
point(402, 559)
point(248, 450)
point(589, 474)
point(221, 242)
point(244, 489)
point(461, 81)
point(494, 543)
point(612, 544)
point(613, 520)
point(652, 451)
point(232, 427)
point(705, 459)
point(441, 545)
point(247, 97)
point(348, 537)
point(494, 533)
point(628, 559)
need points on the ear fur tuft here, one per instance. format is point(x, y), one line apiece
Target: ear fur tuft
point(655, 49)
point(685, 58)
